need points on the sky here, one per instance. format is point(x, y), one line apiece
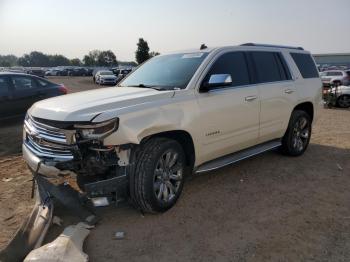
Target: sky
point(74, 27)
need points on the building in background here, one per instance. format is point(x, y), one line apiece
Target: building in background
point(332, 61)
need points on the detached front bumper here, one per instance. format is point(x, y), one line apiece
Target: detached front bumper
point(33, 162)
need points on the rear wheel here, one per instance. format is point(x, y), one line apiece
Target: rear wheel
point(297, 137)
point(158, 178)
point(343, 101)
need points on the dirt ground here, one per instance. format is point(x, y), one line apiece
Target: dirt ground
point(15, 179)
point(268, 208)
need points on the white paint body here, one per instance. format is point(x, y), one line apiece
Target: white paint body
point(235, 122)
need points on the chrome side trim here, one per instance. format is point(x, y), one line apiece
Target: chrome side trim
point(238, 156)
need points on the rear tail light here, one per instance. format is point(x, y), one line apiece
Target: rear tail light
point(63, 89)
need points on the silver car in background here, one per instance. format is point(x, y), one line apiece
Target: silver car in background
point(335, 78)
point(105, 77)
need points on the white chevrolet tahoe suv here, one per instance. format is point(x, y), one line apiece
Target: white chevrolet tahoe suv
point(176, 114)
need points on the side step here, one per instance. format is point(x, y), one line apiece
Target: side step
point(238, 156)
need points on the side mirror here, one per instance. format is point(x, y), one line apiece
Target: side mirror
point(215, 81)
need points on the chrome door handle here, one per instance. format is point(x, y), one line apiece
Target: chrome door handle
point(289, 91)
point(250, 98)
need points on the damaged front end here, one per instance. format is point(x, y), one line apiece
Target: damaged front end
point(70, 149)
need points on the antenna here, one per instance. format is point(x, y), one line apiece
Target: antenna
point(203, 46)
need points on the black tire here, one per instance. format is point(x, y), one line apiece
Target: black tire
point(145, 177)
point(337, 83)
point(297, 137)
point(343, 101)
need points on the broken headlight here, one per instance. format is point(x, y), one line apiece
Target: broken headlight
point(98, 130)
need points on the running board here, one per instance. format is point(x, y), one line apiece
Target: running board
point(238, 156)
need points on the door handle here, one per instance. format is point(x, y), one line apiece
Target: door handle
point(289, 91)
point(250, 98)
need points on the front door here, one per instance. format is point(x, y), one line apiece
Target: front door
point(229, 114)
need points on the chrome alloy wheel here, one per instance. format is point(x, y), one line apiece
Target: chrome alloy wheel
point(301, 133)
point(168, 176)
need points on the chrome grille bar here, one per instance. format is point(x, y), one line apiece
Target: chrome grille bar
point(46, 141)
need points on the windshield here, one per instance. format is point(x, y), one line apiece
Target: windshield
point(167, 71)
point(106, 73)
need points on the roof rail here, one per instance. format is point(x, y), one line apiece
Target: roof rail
point(277, 46)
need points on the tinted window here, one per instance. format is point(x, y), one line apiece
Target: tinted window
point(269, 67)
point(23, 83)
point(43, 83)
point(305, 65)
point(234, 64)
point(4, 86)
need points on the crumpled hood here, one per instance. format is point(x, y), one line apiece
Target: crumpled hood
point(84, 106)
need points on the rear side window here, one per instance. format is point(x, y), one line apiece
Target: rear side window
point(4, 86)
point(270, 67)
point(233, 63)
point(43, 83)
point(305, 65)
point(23, 82)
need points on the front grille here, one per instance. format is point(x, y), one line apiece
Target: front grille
point(47, 141)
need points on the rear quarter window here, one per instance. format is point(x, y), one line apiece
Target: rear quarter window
point(305, 64)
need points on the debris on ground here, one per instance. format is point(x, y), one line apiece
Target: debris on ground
point(66, 247)
point(119, 235)
point(339, 167)
point(7, 179)
point(57, 221)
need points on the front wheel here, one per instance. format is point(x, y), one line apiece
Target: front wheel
point(158, 178)
point(298, 134)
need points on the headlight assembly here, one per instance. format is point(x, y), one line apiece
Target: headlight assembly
point(98, 130)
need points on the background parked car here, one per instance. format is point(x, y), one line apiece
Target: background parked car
point(335, 78)
point(338, 96)
point(77, 71)
point(18, 91)
point(36, 71)
point(105, 77)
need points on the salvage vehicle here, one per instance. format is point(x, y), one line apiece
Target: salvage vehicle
point(19, 91)
point(177, 114)
point(335, 78)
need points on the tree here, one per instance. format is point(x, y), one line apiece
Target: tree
point(58, 60)
point(8, 60)
point(107, 58)
point(35, 59)
point(24, 60)
point(142, 52)
point(75, 62)
point(88, 60)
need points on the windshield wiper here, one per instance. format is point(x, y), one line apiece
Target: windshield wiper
point(159, 88)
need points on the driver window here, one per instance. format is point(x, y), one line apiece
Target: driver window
point(233, 63)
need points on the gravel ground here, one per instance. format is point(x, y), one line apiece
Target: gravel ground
point(268, 208)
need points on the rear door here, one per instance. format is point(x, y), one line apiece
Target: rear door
point(5, 97)
point(26, 92)
point(229, 114)
point(277, 93)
